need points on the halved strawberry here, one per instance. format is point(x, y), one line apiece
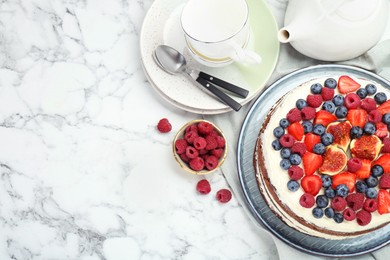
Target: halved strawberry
point(324, 117)
point(311, 162)
point(311, 140)
point(296, 130)
point(311, 184)
point(384, 161)
point(346, 84)
point(383, 202)
point(357, 117)
point(346, 178)
point(364, 171)
point(381, 130)
point(384, 108)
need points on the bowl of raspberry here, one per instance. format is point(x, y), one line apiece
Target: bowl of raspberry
point(199, 147)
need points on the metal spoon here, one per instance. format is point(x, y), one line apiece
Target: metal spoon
point(173, 62)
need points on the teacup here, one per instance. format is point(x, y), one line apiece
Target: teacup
point(217, 31)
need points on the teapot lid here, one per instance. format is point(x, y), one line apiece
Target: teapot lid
point(352, 10)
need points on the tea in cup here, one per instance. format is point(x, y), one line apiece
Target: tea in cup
point(217, 31)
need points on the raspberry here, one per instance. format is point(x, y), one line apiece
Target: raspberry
point(294, 115)
point(352, 101)
point(205, 128)
point(363, 217)
point(308, 113)
point(307, 200)
point(191, 152)
point(287, 140)
point(221, 141)
point(164, 126)
point(386, 145)
point(181, 146)
point(338, 203)
point(370, 205)
point(354, 164)
point(327, 94)
point(295, 172)
point(184, 158)
point(355, 201)
point(368, 104)
point(190, 136)
point(349, 214)
point(224, 195)
point(211, 162)
point(218, 152)
point(200, 143)
point(211, 142)
point(384, 181)
point(214, 133)
point(203, 186)
point(299, 148)
point(314, 100)
point(192, 127)
point(374, 116)
point(203, 151)
point(197, 164)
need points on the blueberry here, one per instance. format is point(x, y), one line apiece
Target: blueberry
point(293, 185)
point(372, 181)
point(361, 187)
point(386, 118)
point(319, 148)
point(338, 100)
point(329, 212)
point(322, 201)
point(284, 123)
point(307, 126)
point(318, 212)
point(319, 129)
point(276, 145)
point(330, 83)
point(380, 98)
point(362, 93)
point(326, 180)
point(278, 131)
point(327, 139)
point(338, 217)
point(342, 190)
point(341, 112)
point(369, 128)
point(371, 89)
point(301, 103)
point(285, 153)
point(285, 164)
point(356, 132)
point(316, 88)
point(377, 170)
point(329, 106)
point(371, 193)
point(295, 159)
point(330, 193)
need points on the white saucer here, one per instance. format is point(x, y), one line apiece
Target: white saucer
point(162, 26)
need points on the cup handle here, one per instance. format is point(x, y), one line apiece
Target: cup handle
point(242, 55)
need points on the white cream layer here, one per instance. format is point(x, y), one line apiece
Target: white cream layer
point(279, 177)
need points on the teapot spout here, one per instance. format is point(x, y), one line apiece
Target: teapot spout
point(284, 35)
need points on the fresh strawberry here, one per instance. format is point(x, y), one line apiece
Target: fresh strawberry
point(357, 117)
point(383, 202)
point(346, 178)
point(364, 171)
point(384, 181)
point(296, 130)
point(324, 117)
point(384, 108)
point(381, 130)
point(311, 162)
point(311, 140)
point(311, 184)
point(384, 161)
point(346, 84)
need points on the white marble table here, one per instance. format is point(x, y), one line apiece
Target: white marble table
point(84, 174)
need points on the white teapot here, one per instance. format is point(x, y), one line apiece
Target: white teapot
point(334, 30)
